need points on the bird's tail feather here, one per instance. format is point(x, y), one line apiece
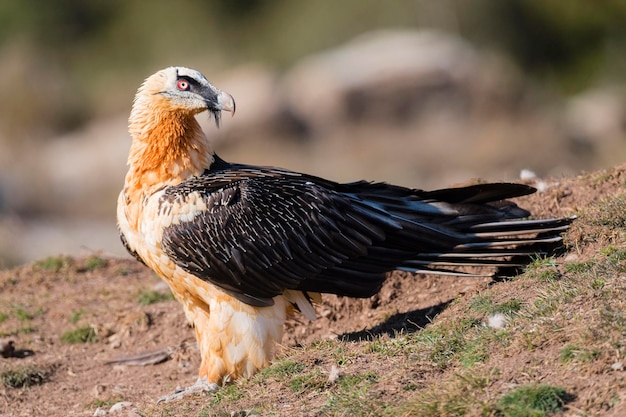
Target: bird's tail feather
point(527, 226)
point(469, 231)
point(494, 245)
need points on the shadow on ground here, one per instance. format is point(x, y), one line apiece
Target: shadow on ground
point(399, 323)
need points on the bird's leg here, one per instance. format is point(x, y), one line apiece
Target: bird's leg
point(201, 385)
point(235, 340)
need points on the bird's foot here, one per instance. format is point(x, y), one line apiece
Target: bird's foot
point(201, 385)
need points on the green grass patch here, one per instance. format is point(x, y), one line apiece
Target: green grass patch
point(509, 307)
point(616, 254)
point(542, 269)
point(351, 396)
point(545, 304)
point(389, 347)
point(574, 352)
point(458, 395)
point(52, 263)
point(465, 340)
point(597, 283)
point(23, 377)
point(481, 304)
point(20, 330)
point(532, 401)
point(484, 304)
point(598, 271)
point(123, 271)
point(210, 412)
point(552, 297)
point(295, 375)
point(348, 382)
point(228, 394)
point(76, 315)
point(94, 262)
point(617, 260)
point(24, 314)
point(26, 330)
point(101, 403)
point(543, 262)
point(547, 275)
point(312, 380)
point(283, 369)
point(343, 356)
point(107, 402)
point(151, 297)
point(474, 351)
point(610, 212)
point(80, 335)
point(579, 267)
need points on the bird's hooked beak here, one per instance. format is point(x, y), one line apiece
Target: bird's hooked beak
point(226, 102)
point(223, 102)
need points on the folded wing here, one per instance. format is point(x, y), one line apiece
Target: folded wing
point(262, 230)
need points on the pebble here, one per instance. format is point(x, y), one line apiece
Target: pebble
point(119, 406)
point(497, 321)
point(333, 376)
point(98, 390)
point(100, 411)
point(527, 174)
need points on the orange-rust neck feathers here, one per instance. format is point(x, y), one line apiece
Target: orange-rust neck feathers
point(168, 144)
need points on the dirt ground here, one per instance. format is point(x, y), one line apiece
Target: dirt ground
point(40, 303)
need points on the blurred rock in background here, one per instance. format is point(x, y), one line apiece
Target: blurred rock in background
point(423, 94)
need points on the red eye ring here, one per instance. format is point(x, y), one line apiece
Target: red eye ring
point(182, 85)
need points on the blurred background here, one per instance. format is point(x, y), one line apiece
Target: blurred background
point(420, 93)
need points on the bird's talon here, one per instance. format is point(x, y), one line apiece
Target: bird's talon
point(201, 385)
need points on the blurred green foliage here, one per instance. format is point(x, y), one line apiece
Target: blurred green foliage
point(65, 61)
point(570, 42)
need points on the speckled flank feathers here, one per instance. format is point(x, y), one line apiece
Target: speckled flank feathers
point(242, 246)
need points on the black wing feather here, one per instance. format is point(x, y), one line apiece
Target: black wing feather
point(266, 230)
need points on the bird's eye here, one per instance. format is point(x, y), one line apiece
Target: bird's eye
point(182, 85)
